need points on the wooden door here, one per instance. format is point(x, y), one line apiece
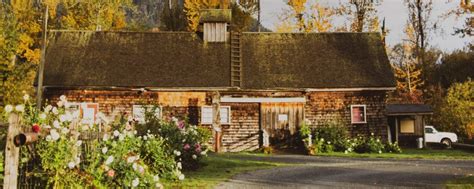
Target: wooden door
point(281, 120)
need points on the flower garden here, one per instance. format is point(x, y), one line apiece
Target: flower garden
point(107, 153)
point(333, 137)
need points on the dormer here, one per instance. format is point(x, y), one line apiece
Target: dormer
point(215, 23)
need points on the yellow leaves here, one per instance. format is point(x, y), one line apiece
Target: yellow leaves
point(33, 56)
point(298, 6)
point(317, 18)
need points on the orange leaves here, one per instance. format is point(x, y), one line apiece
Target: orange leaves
point(192, 8)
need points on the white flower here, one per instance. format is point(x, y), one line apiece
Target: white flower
point(135, 182)
point(76, 114)
point(56, 124)
point(105, 137)
point(131, 159)
point(329, 142)
point(60, 104)
point(203, 153)
point(109, 160)
point(135, 132)
point(104, 150)
point(141, 169)
point(179, 165)
point(116, 133)
point(67, 105)
point(380, 151)
point(65, 130)
point(79, 143)
point(156, 178)
point(48, 108)
point(62, 118)
point(20, 108)
point(69, 116)
point(26, 97)
point(135, 166)
point(71, 165)
point(62, 98)
point(145, 137)
point(194, 156)
point(42, 116)
point(121, 137)
point(55, 111)
point(77, 160)
point(378, 140)
point(177, 153)
point(49, 138)
point(181, 177)
point(54, 134)
point(346, 152)
point(8, 108)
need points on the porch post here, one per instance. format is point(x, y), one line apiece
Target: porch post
point(216, 121)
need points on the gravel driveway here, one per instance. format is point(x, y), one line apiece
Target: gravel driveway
point(330, 172)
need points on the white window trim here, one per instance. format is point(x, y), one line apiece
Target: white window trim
point(365, 113)
point(228, 110)
point(160, 113)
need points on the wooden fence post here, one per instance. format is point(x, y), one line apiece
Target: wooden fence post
point(12, 153)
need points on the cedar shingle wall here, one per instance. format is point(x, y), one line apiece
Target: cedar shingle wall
point(322, 107)
point(243, 132)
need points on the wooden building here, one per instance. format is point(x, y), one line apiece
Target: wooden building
point(267, 82)
point(407, 123)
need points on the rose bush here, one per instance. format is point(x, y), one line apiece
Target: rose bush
point(72, 154)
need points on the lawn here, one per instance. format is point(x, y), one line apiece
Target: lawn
point(218, 168)
point(465, 182)
point(435, 154)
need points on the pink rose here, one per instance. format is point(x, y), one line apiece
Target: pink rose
point(186, 147)
point(111, 173)
point(181, 125)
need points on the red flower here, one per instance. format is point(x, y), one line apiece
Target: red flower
point(36, 128)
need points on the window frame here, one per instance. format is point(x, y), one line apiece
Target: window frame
point(229, 118)
point(352, 113)
point(160, 113)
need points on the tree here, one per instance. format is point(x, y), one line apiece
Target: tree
point(19, 52)
point(465, 8)
point(456, 113)
point(406, 68)
point(192, 9)
point(363, 15)
point(419, 12)
point(316, 18)
point(173, 17)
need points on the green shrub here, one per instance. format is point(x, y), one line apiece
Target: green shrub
point(368, 145)
point(392, 148)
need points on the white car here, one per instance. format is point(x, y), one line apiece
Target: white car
point(445, 138)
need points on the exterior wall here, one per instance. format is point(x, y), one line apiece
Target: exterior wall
point(243, 134)
point(323, 107)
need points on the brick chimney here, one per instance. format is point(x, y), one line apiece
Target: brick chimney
point(215, 23)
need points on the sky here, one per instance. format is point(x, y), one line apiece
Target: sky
point(395, 14)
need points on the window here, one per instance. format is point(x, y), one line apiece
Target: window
point(89, 112)
point(428, 130)
point(358, 114)
point(407, 125)
point(206, 115)
point(139, 112)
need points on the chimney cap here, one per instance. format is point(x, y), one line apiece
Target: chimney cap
point(215, 15)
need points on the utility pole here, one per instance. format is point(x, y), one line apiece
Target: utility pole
point(39, 95)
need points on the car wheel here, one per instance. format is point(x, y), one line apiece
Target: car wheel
point(446, 142)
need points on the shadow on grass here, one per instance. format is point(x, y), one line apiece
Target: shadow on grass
point(217, 168)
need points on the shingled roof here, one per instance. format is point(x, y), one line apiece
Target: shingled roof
point(181, 59)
